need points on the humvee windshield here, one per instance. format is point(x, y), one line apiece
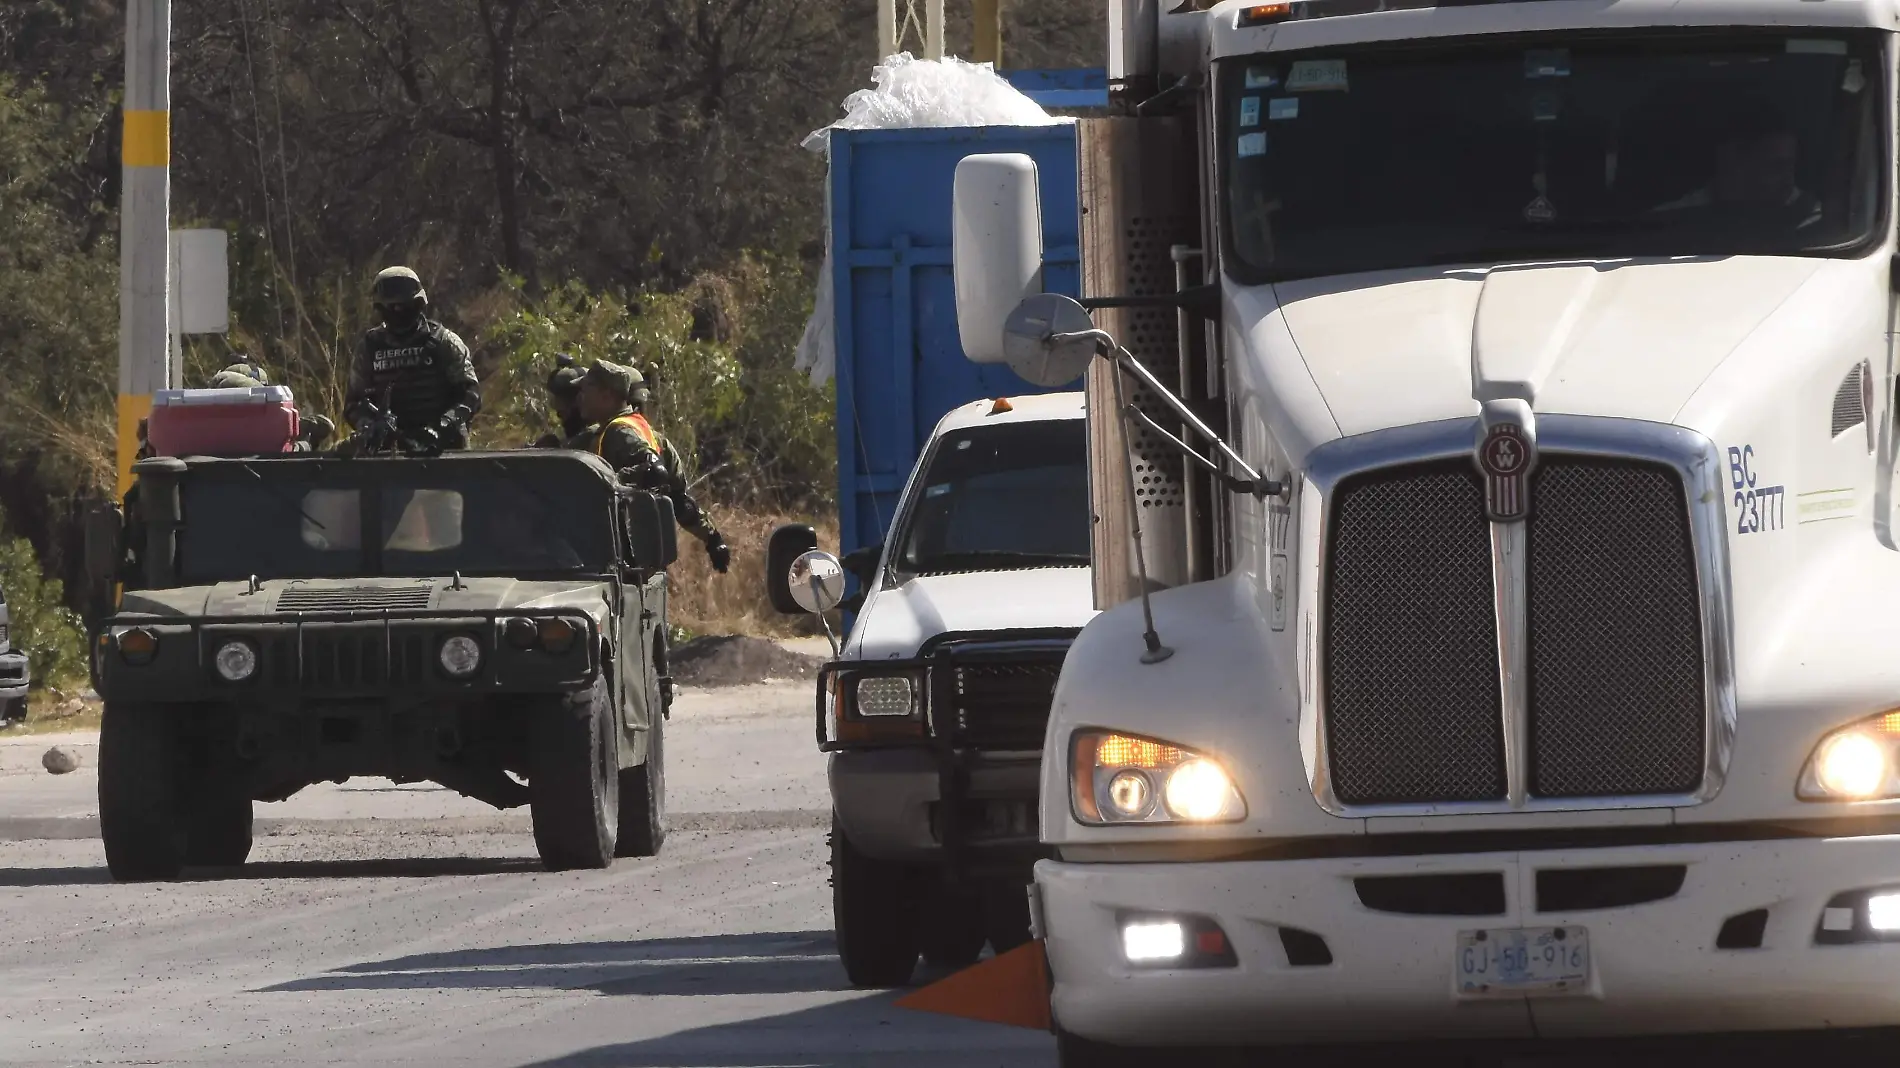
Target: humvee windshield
point(327, 520)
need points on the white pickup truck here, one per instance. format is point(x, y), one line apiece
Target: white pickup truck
point(1540, 683)
point(14, 676)
point(933, 712)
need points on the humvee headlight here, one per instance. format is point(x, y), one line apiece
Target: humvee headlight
point(1855, 763)
point(521, 633)
point(138, 646)
point(1114, 778)
point(557, 635)
point(460, 656)
point(236, 661)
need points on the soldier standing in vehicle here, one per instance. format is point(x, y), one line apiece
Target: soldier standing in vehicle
point(611, 397)
point(421, 366)
point(564, 401)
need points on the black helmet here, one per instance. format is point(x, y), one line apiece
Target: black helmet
point(397, 286)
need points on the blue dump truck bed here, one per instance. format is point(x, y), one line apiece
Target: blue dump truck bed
point(900, 365)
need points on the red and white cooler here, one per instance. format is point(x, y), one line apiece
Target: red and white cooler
point(248, 421)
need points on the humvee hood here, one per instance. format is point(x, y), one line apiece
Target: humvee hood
point(369, 596)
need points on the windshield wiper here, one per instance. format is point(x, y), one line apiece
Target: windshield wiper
point(997, 560)
point(278, 492)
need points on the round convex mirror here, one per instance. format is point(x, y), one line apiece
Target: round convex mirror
point(817, 581)
point(1028, 347)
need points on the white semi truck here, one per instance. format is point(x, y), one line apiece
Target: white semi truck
point(1514, 659)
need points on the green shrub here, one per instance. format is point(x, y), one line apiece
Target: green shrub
point(51, 635)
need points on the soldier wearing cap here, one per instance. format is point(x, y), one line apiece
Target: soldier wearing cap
point(564, 387)
point(419, 365)
point(248, 373)
point(610, 398)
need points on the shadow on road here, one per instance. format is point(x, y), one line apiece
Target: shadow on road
point(421, 868)
point(785, 963)
point(859, 1032)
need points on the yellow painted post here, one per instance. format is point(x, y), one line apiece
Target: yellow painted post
point(144, 223)
point(988, 46)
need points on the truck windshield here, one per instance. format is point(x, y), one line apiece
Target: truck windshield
point(427, 520)
point(1608, 146)
point(994, 498)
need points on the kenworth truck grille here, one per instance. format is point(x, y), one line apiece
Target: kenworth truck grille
point(1615, 673)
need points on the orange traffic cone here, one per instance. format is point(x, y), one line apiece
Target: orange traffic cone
point(1010, 989)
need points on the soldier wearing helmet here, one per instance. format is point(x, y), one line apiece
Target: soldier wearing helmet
point(610, 398)
point(419, 365)
point(564, 387)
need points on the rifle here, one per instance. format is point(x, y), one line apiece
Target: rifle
point(376, 430)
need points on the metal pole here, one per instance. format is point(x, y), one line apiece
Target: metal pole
point(989, 33)
point(886, 29)
point(933, 29)
point(144, 222)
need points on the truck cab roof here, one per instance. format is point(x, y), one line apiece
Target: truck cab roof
point(1243, 27)
point(1030, 408)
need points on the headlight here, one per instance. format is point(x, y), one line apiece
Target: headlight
point(557, 635)
point(1118, 778)
point(138, 646)
point(520, 633)
point(460, 656)
point(1855, 763)
point(887, 695)
point(236, 661)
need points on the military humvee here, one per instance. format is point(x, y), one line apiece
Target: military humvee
point(493, 622)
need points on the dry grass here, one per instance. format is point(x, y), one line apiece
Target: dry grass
point(704, 602)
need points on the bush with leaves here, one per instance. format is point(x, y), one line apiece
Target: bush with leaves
point(50, 634)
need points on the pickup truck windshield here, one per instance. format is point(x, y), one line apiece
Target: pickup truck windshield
point(478, 520)
point(1606, 146)
point(1001, 497)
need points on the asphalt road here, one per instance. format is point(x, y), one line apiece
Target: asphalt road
point(384, 924)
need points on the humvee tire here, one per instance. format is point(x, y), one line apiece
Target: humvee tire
point(643, 800)
point(139, 815)
point(218, 834)
point(574, 779)
point(873, 914)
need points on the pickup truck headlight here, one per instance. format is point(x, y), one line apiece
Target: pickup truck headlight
point(869, 706)
point(1856, 763)
point(1119, 778)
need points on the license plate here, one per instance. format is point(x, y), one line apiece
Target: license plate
point(1515, 962)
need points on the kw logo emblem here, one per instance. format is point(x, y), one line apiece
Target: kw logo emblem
point(1506, 457)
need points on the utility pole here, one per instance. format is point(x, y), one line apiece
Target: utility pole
point(988, 47)
point(144, 222)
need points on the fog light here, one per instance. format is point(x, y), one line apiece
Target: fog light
point(138, 646)
point(520, 633)
point(1153, 940)
point(557, 635)
point(460, 656)
point(1851, 765)
point(236, 661)
point(1883, 912)
point(1130, 794)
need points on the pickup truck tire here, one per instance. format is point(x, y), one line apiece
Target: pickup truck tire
point(643, 800)
point(952, 929)
point(874, 915)
point(574, 779)
point(140, 818)
point(219, 832)
point(14, 711)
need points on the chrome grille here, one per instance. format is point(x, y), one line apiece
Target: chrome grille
point(1413, 709)
point(354, 598)
point(1003, 704)
point(1616, 687)
point(1616, 692)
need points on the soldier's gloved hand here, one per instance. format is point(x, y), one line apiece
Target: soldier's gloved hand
point(424, 439)
point(548, 441)
point(718, 553)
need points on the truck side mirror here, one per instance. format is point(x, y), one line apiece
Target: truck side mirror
point(816, 580)
point(995, 246)
point(786, 545)
point(651, 540)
